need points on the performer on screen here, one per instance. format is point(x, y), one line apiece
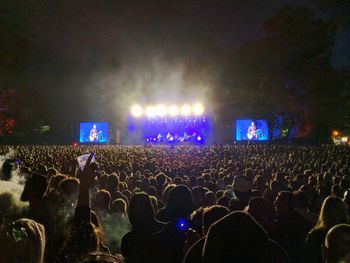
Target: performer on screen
point(252, 131)
point(93, 137)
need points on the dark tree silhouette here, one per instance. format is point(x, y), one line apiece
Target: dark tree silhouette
point(289, 71)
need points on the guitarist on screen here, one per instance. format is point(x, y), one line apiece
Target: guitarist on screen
point(93, 137)
point(252, 132)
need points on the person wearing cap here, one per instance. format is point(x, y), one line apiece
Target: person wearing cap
point(242, 190)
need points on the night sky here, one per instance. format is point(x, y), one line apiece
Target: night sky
point(89, 60)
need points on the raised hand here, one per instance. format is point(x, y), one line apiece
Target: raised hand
point(86, 177)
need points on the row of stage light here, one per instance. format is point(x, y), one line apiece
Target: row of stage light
point(161, 110)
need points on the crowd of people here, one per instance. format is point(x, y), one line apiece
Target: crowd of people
point(238, 203)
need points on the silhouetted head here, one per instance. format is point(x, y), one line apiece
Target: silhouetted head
point(284, 203)
point(236, 237)
point(337, 244)
point(140, 210)
point(179, 202)
point(34, 189)
point(212, 214)
point(333, 212)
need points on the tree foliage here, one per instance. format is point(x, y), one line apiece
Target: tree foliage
point(289, 71)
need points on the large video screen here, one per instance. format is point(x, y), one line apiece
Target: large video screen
point(252, 130)
point(93, 132)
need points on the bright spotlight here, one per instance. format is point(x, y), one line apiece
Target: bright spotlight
point(151, 111)
point(174, 110)
point(136, 110)
point(161, 110)
point(198, 109)
point(185, 110)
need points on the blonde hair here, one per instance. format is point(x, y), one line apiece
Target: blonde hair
point(22, 239)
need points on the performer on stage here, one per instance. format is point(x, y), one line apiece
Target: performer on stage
point(93, 137)
point(252, 132)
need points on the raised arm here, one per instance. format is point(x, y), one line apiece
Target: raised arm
point(86, 178)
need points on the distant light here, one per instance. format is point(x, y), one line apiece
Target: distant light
point(344, 139)
point(151, 111)
point(182, 225)
point(161, 110)
point(199, 138)
point(198, 109)
point(185, 110)
point(335, 133)
point(75, 144)
point(136, 111)
point(174, 110)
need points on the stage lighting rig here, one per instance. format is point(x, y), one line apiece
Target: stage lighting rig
point(185, 110)
point(136, 110)
point(151, 111)
point(162, 110)
point(198, 109)
point(174, 110)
